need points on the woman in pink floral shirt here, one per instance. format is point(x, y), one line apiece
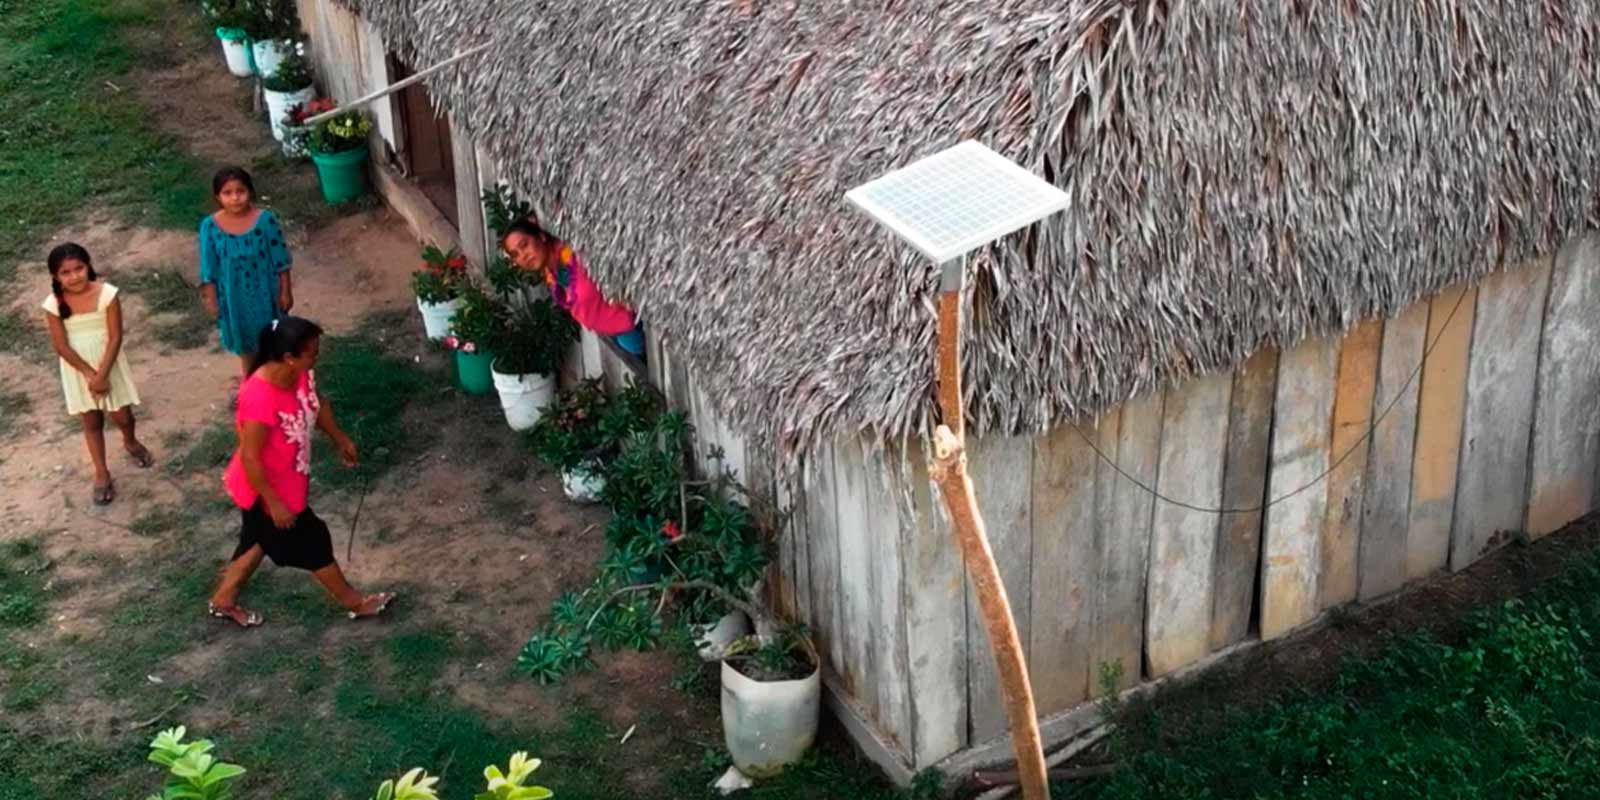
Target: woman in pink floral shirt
point(269, 476)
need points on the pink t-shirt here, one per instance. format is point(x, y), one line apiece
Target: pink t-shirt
point(290, 417)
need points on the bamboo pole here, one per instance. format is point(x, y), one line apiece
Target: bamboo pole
point(949, 472)
point(396, 86)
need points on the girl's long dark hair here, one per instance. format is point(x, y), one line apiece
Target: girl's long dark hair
point(284, 336)
point(64, 252)
point(528, 226)
point(228, 174)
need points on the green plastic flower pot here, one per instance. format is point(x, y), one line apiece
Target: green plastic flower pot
point(343, 175)
point(473, 373)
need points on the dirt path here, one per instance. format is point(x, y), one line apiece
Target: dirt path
point(478, 538)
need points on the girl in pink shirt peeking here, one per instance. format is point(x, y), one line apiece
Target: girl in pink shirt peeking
point(533, 248)
point(270, 473)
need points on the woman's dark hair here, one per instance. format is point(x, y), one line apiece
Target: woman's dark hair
point(228, 174)
point(64, 252)
point(283, 337)
point(527, 226)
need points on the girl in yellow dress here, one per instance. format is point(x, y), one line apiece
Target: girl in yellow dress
point(84, 317)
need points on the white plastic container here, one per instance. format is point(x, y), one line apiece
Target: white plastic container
point(712, 639)
point(237, 51)
point(436, 317)
point(583, 484)
point(270, 54)
point(524, 397)
point(279, 103)
point(768, 725)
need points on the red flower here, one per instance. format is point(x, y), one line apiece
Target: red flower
point(450, 342)
point(459, 262)
point(670, 530)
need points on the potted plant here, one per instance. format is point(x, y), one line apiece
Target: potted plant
point(272, 26)
point(289, 86)
point(435, 286)
point(771, 699)
point(528, 351)
point(230, 18)
point(338, 146)
point(296, 134)
point(476, 323)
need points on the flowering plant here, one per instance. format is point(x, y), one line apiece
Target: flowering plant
point(457, 343)
point(477, 321)
point(340, 133)
point(440, 276)
point(297, 114)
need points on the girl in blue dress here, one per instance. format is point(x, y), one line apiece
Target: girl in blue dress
point(244, 265)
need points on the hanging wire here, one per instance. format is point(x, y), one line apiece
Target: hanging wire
point(1371, 429)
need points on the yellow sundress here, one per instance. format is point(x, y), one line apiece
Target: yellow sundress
point(87, 335)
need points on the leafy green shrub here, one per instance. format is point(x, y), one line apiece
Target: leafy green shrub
point(534, 340)
point(501, 207)
point(292, 75)
point(339, 133)
point(478, 320)
point(441, 276)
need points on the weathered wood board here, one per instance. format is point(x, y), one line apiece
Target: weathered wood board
point(1064, 568)
point(1292, 547)
point(1244, 485)
point(616, 375)
point(1441, 403)
point(1183, 541)
point(887, 640)
point(1492, 490)
point(856, 592)
point(823, 550)
point(1131, 436)
point(1386, 505)
point(1566, 423)
point(936, 621)
point(589, 345)
point(1000, 468)
point(1352, 418)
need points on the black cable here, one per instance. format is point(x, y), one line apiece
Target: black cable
point(1371, 429)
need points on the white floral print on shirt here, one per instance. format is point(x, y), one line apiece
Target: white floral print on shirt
point(297, 426)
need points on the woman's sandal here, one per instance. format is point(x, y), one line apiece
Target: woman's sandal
point(104, 493)
point(141, 456)
point(234, 614)
point(372, 605)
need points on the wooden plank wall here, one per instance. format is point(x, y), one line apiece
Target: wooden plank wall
point(1483, 405)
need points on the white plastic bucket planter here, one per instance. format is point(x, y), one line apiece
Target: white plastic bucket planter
point(713, 639)
point(524, 397)
point(768, 725)
point(270, 54)
point(236, 48)
point(583, 484)
point(436, 317)
point(279, 103)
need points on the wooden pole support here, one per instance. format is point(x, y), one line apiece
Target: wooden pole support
point(949, 472)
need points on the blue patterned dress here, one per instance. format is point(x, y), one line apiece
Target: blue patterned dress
point(245, 269)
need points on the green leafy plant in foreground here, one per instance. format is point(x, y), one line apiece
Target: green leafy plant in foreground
point(194, 773)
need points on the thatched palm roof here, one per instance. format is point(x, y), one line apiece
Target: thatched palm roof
point(1245, 173)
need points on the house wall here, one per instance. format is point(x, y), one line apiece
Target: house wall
point(1494, 430)
point(349, 57)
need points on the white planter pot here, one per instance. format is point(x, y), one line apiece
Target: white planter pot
point(768, 725)
point(583, 484)
point(237, 51)
point(279, 103)
point(436, 317)
point(270, 54)
point(713, 639)
point(524, 397)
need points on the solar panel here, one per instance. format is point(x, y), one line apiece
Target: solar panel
point(957, 200)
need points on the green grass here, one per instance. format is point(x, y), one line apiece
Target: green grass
point(368, 388)
point(161, 520)
point(1509, 708)
point(68, 139)
point(182, 323)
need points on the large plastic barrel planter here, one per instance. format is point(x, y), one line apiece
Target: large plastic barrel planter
point(473, 373)
point(343, 175)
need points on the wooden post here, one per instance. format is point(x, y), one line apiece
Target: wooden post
point(949, 471)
